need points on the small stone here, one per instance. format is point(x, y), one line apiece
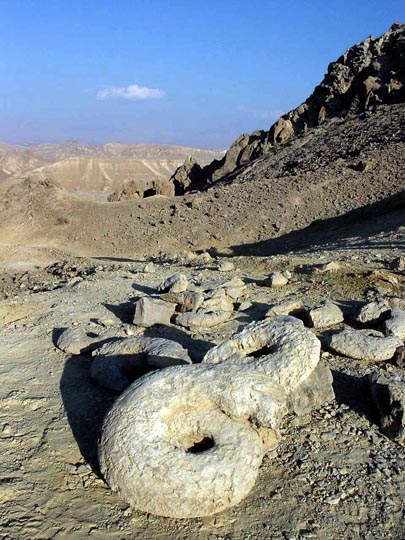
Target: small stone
point(330, 267)
point(276, 279)
point(327, 314)
point(244, 306)
point(226, 266)
point(174, 284)
point(149, 268)
point(333, 500)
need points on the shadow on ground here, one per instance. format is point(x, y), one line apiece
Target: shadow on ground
point(357, 224)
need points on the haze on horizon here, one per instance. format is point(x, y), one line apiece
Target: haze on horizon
point(101, 71)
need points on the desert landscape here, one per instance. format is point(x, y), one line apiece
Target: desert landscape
point(163, 308)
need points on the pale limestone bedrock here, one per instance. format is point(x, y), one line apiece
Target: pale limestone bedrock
point(116, 360)
point(235, 406)
point(361, 346)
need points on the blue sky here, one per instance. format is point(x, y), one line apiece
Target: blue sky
point(169, 72)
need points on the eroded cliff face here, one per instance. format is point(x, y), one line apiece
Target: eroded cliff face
point(369, 74)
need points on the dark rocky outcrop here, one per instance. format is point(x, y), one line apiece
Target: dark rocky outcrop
point(188, 174)
point(367, 75)
point(140, 189)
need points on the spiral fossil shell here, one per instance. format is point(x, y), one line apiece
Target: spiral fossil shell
point(188, 441)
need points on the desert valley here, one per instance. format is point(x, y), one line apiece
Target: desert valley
point(208, 344)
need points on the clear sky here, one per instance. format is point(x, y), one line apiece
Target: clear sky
point(168, 71)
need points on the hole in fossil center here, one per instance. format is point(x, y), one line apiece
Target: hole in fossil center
point(201, 446)
point(263, 351)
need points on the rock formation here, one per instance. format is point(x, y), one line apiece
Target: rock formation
point(139, 189)
point(368, 74)
point(188, 441)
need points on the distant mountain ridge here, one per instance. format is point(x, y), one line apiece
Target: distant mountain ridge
point(90, 168)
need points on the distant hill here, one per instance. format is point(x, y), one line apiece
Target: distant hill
point(94, 171)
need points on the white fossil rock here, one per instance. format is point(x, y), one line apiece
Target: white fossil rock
point(115, 361)
point(188, 441)
point(358, 345)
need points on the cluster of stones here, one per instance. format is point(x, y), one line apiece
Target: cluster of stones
point(188, 440)
point(376, 334)
point(202, 305)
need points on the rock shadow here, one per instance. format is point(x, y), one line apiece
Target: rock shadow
point(125, 311)
point(144, 289)
point(196, 348)
point(86, 404)
point(360, 223)
point(353, 392)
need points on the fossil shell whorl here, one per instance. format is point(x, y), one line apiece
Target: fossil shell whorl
point(188, 441)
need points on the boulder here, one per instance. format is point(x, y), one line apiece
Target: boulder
point(373, 312)
point(176, 283)
point(150, 311)
point(140, 189)
point(360, 346)
point(203, 318)
point(185, 301)
point(291, 306)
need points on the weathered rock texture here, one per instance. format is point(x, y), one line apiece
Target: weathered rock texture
point(117, 363)
point(363, 347)
point(327, 314)
point(188, 442)
point(150, 311)
point(76, 340)
point(368, 74)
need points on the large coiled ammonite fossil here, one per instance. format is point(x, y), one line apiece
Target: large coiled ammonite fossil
point(188, 441)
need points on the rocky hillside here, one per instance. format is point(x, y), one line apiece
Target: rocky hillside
point(369, 74)
point(326, 172)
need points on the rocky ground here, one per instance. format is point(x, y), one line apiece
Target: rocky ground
point(335, 475)
point(325, 173)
